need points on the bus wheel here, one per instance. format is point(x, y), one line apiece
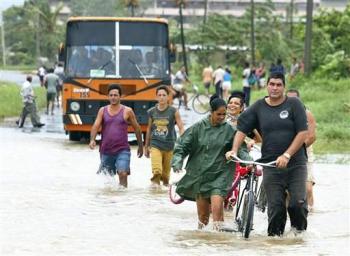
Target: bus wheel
point(74, 136)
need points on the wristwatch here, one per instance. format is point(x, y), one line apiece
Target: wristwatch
point(286, 155)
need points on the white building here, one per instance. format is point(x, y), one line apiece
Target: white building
point(195, 8)
point(168, 8)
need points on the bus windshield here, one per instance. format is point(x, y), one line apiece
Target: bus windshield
point(117, 49)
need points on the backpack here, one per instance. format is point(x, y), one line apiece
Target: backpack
point(251, 79)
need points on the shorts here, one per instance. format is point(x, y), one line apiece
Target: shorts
point(50, 96)
point(59, 88)
point(261, 82)
point(178, 87)
point(113, 164)
point(214, 192)
point(226, 85)
point(207, 85)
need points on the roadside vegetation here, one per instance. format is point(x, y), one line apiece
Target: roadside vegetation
point(23, 68)
point(11, 100)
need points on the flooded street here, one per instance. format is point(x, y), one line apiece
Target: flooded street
point(53, 203)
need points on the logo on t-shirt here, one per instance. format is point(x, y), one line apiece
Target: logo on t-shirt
point(161, 127)
point(284, 114)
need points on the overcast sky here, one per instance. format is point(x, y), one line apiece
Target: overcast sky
point(4, 4)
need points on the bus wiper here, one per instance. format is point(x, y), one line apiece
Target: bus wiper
point(104, 65)
point(100, 68)
point(138, 69)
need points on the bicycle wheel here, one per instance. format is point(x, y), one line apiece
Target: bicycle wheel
point(200, 104)
point(247, 214)
point(174, 197)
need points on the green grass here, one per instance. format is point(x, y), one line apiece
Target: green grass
point(11, 100)
point(24, 68)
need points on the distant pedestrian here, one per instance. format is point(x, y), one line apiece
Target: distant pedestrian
point(180, 82)
point(278, 68)
point(218, 79)
point(226, 85)
point(59, 71)
point(246, 85)
point(260, 75)
point(113, 121)
point(161, 136)
point(29, 107)
point(51, 81)
point(207, 76)
point(294, 68)
point(41, 74)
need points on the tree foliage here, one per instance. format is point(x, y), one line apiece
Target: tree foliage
point(331, 43)
point(25, 27)
point(330, 49)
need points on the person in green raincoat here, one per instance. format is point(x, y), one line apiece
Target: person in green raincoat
point(208, 174)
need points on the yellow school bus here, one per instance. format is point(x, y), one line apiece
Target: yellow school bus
point(132, 52)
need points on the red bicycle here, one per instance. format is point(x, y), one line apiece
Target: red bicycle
point(243, 199)
point(247, 198)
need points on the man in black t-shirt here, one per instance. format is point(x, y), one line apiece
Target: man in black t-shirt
point(282, 123)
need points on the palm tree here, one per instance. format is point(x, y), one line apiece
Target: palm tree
point(252, 31)
point(181, 4)
point(46, 24)
point(308, 37)
point(291, 18)
point(132, 5)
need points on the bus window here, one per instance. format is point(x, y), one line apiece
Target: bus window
point(132, 56)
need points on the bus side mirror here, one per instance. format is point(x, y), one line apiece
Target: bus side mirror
point(61, 53)
point(172, 53)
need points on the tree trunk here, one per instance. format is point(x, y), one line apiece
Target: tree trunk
point(291, 18)
point(132, 7)
point(308, 37)
point(252, 32)
point(205, 11)
point(183, 38)
point(37, 39)
point(3, 42)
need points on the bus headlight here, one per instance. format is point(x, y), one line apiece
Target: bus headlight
point(74, 106)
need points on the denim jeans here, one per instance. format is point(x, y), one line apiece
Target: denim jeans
point(277, 182)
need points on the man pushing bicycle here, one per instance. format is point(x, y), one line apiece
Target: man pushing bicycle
point(282, 123)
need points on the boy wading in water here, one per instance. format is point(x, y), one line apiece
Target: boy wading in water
point(161, 136)
point(113, 120)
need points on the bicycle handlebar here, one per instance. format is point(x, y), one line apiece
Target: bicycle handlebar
point(238, 160)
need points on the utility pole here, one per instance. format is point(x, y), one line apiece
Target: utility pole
point(252, 31)
point(37, 40)
point(308, 37)
point(181, 5)
point(2, 40)
point(205, 11)
point(291, 18)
